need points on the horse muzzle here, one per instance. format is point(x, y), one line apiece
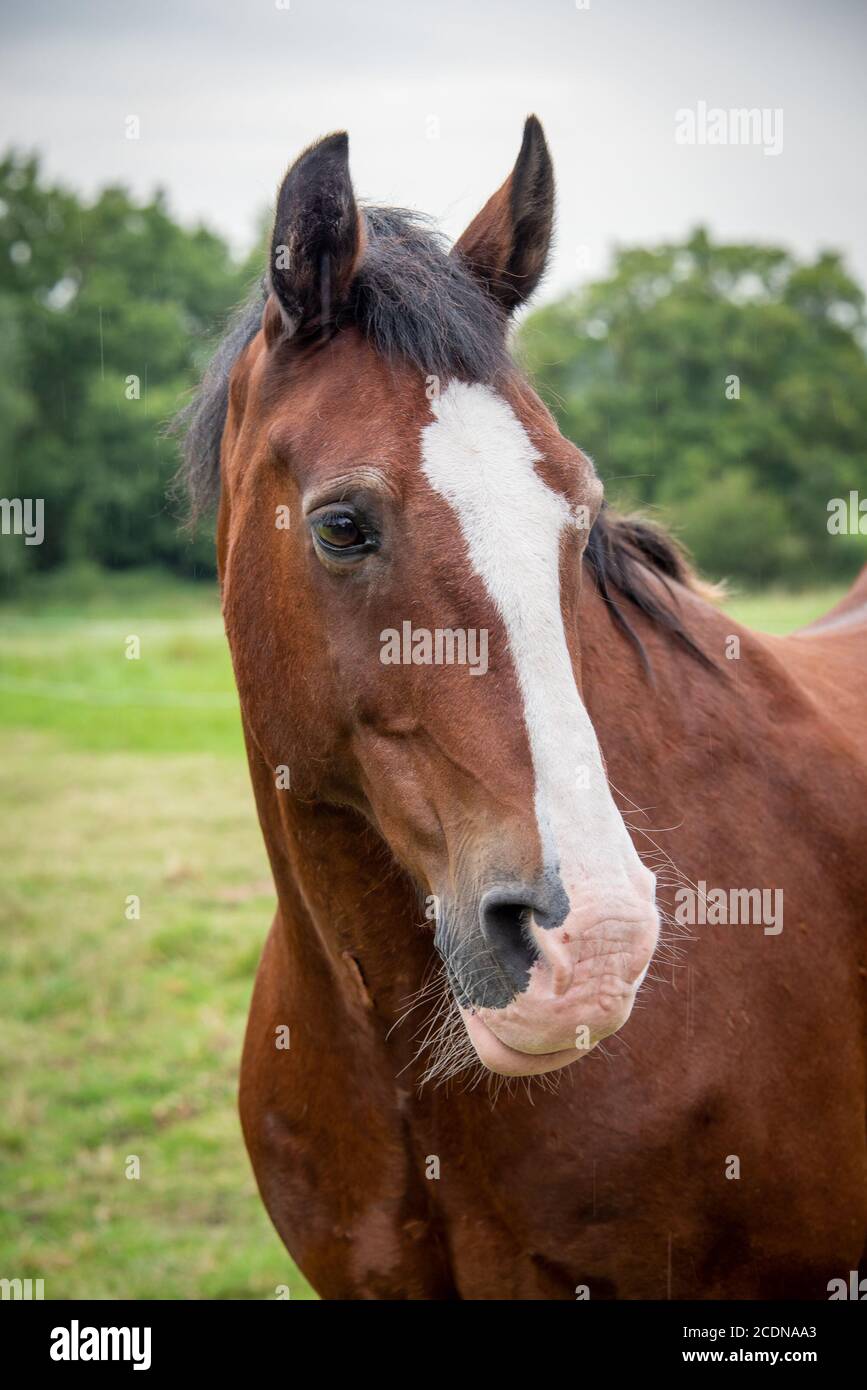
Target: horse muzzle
point(539, 989)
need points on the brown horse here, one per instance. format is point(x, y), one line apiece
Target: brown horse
point(497, 736)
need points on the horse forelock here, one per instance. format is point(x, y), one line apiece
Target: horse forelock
point(413, 301)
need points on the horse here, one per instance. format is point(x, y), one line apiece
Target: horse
point(480, 864)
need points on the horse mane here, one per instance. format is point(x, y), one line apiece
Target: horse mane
point(416, 303)
point(199, 424)
point(625, 554)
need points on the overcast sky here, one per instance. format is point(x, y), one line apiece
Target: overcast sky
point(228, 91)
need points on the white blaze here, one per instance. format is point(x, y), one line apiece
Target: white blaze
point(478, 456)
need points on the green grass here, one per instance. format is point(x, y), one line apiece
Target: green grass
point(122, 1037)
point(780, 612)
point(118, 1036)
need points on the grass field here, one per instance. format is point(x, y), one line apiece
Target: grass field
point(119, 1036)
point(122, 1036)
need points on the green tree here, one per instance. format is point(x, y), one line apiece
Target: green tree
point(725, 388)
point(107, 310)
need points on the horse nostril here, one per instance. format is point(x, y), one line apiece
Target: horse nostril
point(505, 921)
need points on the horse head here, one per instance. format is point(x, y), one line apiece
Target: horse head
point(401, 535)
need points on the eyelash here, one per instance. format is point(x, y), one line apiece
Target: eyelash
point(325, 518)
point(369, 536)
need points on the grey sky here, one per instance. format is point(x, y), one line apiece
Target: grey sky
point(228, 91)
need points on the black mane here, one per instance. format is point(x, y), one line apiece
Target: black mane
point(415, 303)
point(622, 552)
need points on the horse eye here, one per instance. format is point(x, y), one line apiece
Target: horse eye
point(339, 531)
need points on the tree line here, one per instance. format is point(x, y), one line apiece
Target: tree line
point(720, 388)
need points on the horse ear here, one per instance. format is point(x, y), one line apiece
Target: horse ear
point(318, 236)
point(506, 244)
